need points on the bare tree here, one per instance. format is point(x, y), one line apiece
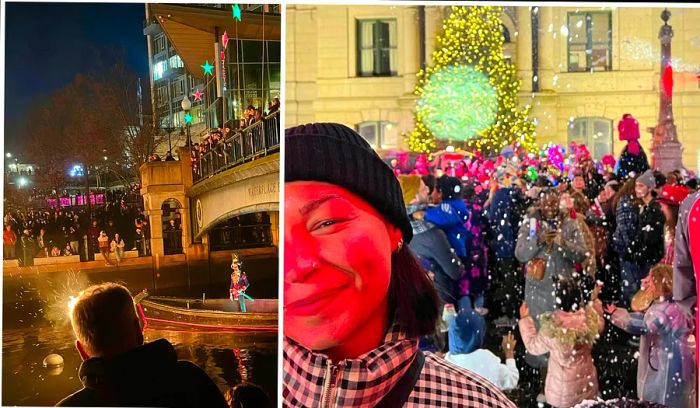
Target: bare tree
point(97, 121)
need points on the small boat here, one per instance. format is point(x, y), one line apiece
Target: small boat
point(160, 312)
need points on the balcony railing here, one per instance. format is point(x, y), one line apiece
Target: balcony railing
point(258, 139)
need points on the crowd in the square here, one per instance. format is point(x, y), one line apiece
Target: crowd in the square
point(109, 229)
point(559, 245)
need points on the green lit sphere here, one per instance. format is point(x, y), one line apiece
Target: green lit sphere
point(457, 103)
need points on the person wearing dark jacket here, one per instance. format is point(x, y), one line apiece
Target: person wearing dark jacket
point(644, 246)
point(648, 245)
point(119, 370)
point(504, 212)
point(451, 214)
point(429, 242)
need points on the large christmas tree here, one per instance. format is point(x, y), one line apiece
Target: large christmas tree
point(471, 93)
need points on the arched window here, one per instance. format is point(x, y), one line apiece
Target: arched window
point(594, 132)
point(506, 34)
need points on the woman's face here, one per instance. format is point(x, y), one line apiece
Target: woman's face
point(549, 204)
point(337, 263)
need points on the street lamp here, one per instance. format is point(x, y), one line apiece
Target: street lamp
point(8, 155)
point(186, 106)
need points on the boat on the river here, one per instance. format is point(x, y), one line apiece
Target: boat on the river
point(207, 314)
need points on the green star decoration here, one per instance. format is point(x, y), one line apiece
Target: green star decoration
point(236, 12)
point(207, 68)
point(188, 118)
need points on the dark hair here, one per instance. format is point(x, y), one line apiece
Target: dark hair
point(429, 181)
point(573, 293)
point(659, 178)
point(543, 181)
point(448, 187)
point(413, 301)
point(692, 184)
point(627, 189)
point(250, 396)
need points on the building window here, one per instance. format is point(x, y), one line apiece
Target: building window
point(376, 47)
point(159, 69)
point(159, 44)
point(506, 34)
point(377, 133)
point(176, 62)
point(590, 41)
point(179, 86)
point(162, 95)
point(594, 132)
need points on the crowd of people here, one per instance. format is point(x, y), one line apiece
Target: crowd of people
point(216, 140)
point(555, 247)
point(109, 230)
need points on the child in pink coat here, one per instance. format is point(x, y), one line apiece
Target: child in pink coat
point(567, 334)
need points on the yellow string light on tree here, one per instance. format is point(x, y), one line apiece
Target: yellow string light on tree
point(472, 37)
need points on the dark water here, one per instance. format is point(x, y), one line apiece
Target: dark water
point(35, 324)
point(228, 358)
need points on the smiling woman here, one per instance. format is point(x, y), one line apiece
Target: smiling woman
point(356, 299)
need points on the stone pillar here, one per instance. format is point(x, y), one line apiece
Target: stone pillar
point(666, 151)
point(155, 219)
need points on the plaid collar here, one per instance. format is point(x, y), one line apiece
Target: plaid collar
point(311, 379)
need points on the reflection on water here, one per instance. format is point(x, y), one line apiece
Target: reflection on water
point(228, 358)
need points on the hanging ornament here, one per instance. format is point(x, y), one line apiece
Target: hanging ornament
point(224, 39)
point(236, 12)
point(198, 95)
point(188, 118)
point(207, 68)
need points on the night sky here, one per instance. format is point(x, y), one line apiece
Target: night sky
point(47, 44)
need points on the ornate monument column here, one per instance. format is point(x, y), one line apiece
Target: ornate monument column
point(666, 151)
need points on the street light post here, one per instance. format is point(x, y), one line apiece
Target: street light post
point(186, 106)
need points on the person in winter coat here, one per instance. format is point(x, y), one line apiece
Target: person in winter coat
point(554, 237)
point(467, 333)
point(671, 197)
point(118, 369)
point(475, 281)
point(451, 214)
point(28, 248)
point(9, 240)
point(580, 208)
point(103, 245)
point(626, 217)
point(633, 160)
point(647, 247)
point(429, 242)
point(356, 299)
point(117, 246)
point(665, 371)
point(504, 213)
point(568, 335)
point(93, 232)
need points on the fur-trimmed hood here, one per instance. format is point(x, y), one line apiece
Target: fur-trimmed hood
point(571, 328)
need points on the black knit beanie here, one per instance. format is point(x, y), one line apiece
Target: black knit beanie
point(335, 154)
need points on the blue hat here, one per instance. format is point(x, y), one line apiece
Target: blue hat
point(467, 329)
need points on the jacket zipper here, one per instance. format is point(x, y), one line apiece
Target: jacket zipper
point(329, 385)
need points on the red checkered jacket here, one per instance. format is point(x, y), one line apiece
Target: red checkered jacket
point(312, 380)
